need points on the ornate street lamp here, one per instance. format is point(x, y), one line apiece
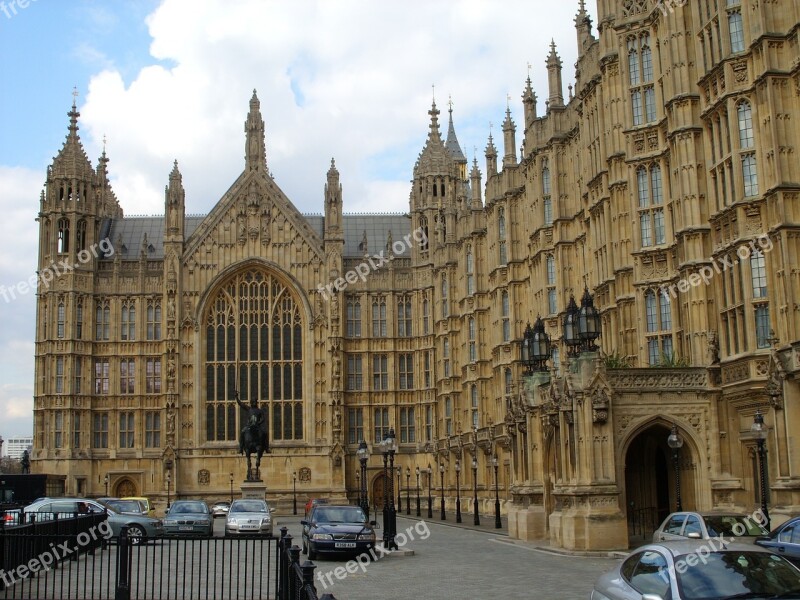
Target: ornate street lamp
point(430, 499)
point(759, 432)
point(588, 322)
point(458, 491)
point(417, 472)
point(408, 490)
point(231, 488)
point(477, 519)
point(169, 481)
point(294, 493)
point(570, 328)
point(363, 457)
point(443, 516)
point(390, 515)
point(675, 441)
point(105, 480)
point(498, 524)
point(535, 347)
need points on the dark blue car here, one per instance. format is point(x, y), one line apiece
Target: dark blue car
point(335, 529)
point(784, 540)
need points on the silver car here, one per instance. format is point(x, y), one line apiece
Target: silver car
point(691, 571)
point(703, 526)
point(249, 517)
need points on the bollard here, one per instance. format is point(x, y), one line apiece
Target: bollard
point(123, 584)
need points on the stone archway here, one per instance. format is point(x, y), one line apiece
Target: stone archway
point(378, 488)
point(125, 488)
point(650, 484)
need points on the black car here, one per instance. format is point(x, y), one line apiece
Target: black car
point(337, 529)
point(784, 540)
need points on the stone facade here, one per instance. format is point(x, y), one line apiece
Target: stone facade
point(663, 183)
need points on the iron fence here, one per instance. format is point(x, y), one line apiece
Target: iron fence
point(295, 580)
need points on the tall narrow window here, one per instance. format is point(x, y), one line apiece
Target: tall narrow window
point(128, 324)
point(102, 321)
point(658, 319)
point(425, 316)
point(58, 429)
point(76, 430)
point(127, 375)
point(405, 369)
point(353, 317)
point(474, 405)
point(428, 423)
point(446, 357)
point(762, 326)
point(640, 77)
point(59, 375)
point(555, 356)
point(354, 373)
point(78, 374)
point(506, 316)
point(508, 388)
point(407, 426)
point(552, 301)
point(63, 236)
point(100, 430)
point(80, 236)
point(381, 424)
point(153, 376)
point(61, 316)
point(404, 317)
point(759, 274)
point(423, 227)
point(501, 236)
point(152, 429)
point(470, 272)
point(473, 354)
point(736, 31)
point(448, 416)
point(380, 372)
point(79, 320)
point(547, 201)
point(445, 308)
point(750, 175)
point(355, 425)
point(427, 369)
point(745, 117)
point(154, 320)
point(126, 429)
point(101, 372)
point(379, 317)
point(651, 212)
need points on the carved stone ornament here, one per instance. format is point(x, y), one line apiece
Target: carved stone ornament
point(600, 402)
point(204, 477)
point(304, 474)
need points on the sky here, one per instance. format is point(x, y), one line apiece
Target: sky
point(165, 80)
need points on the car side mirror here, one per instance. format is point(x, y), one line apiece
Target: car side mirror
point(694, 536)
point(304, 523)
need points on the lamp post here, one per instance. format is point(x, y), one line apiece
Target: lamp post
point(417, 472)
point(169, 481)
point(363, 457)
point(390, 516)
point(535, 347)
point(675, 441)
point(294, 493)
point(759, 431)
point(498, 524)
point(588, 322)
point(408, 490)
point(105, 480)
point(231, 488)
point(430, 500)
point(443, 516)
point(458, 491)
point(399, 489)
point(477, 518)
point(570, 328)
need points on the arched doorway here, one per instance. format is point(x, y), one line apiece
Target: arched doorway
point(125, 488)
point(650, 490)
point(378, 490)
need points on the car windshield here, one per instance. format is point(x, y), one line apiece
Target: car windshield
point(732, 526)
point(250, 506)
point(339, 514)
point(125, 505)
point(188, 507)
point(726, 574)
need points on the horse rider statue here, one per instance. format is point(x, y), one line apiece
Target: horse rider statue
point(253, 438)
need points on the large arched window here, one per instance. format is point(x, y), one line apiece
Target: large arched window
point(254, 344)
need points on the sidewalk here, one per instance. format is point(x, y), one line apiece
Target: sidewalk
point(487, 523)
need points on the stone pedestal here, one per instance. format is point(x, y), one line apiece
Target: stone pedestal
point(254, 490)
point(527, 523)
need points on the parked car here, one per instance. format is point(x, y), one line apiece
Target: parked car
point(249, 517)
point(189, 517)
point(785, 540)
point(128, 507)
point(688, 570)
point(220, 509)
point(702, 526)
point(148, 506)
point(312, 503)
point(337, 529)
point(140, 528)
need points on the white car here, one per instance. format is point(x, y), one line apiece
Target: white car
point(249, 517)
point(691, 571)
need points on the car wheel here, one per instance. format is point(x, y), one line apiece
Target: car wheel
point(305, 547)
point(311, 554)
point(136, 535)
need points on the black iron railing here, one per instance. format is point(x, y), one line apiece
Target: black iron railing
point(642, 521)
point(295, 580)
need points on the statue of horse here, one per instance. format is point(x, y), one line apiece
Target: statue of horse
point(254, 440)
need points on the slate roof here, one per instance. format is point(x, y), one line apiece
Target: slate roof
point(127, 234)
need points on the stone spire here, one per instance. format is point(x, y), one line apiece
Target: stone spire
point(72, 161)
point(556, 98)
point(255, 148)
point(583, 25)
point(491, 158)
point(174, 203)
point(509, 141)
point(333, 204)
point(453, 146)
point(475, 186)
point(529, 102)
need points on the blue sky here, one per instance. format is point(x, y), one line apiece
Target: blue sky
point(171, 79)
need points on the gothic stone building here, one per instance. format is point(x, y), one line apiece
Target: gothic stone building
point(666, 183)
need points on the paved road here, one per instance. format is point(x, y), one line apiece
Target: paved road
point(455, 563)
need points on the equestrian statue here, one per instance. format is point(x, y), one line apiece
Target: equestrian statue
point(254, 438)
